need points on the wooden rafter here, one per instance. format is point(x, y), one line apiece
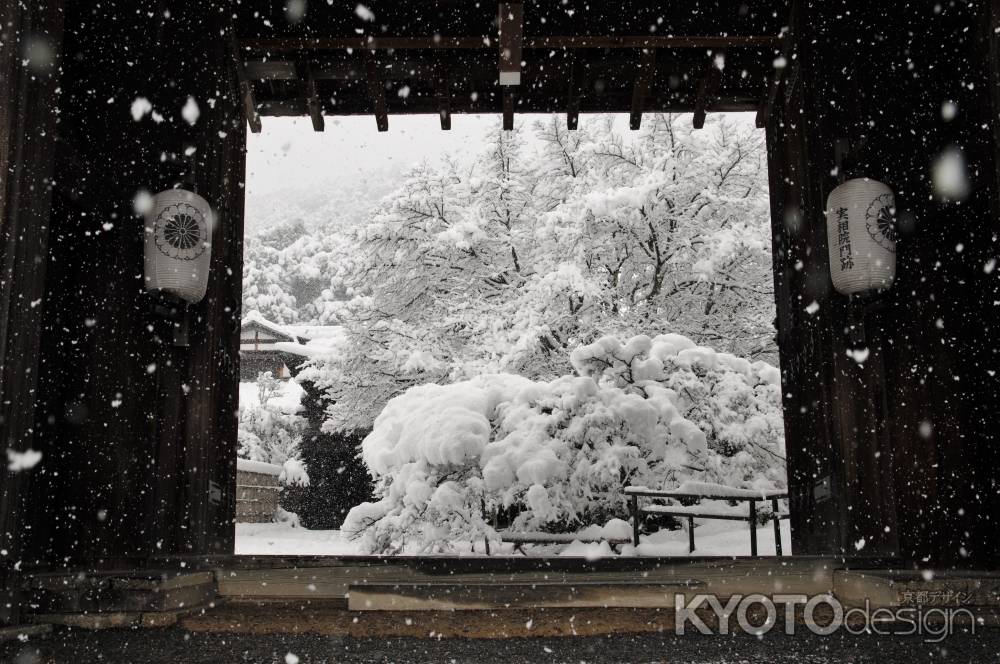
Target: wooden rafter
point(708, 88)
point(511, 27)
point(246, 89)
point(461, 104)
point(313, 102)
point(573, 96)
point(646, 70)
point(764, 112)
point(508, 109)
point(277, 44)
point(376, 90)
point(443, 93)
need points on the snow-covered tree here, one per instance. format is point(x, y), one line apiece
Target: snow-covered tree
point(270, 426)
point(291, 274)
point(508, 265)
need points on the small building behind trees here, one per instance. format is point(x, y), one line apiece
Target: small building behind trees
point(258, 350)
point(263, 345)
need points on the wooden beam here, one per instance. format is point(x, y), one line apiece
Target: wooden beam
point(708, 88)
point(663, 102)
point(276, 44)
point(270, 70)
point(246, 89)
point(573, 96)
point(376, 91)
point(640, 89)
point(660, 102)
point(443, 93)
point(508, 109)
point(511, 27)
point(312, 97)
point(764, 112)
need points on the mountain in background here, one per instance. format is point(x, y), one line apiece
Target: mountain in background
point(345, 200)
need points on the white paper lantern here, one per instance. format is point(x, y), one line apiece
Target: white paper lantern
point(861, 234)
point(178, 246)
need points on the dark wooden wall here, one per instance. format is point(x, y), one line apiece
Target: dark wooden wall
point(897, 456)
point(138, 435)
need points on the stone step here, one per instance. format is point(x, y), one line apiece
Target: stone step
point(110, 592)
point(912, 588)
point(487, 596)
point(335, 581)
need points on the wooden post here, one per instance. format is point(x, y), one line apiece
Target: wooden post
point(777, 526)
point(511, 28)
point(640, 89)
point(690, 534)
point(634, 508)
point(376, 90)
point(29, 114)
point(753, 527)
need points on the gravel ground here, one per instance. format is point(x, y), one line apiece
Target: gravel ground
point(177, 646)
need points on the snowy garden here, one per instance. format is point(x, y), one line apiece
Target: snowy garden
point(512, 339)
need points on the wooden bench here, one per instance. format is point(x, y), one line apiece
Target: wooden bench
point(520, 539)
point(692, 512)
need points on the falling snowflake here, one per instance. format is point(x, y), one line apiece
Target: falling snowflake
point(140, 108)
point(859, 355)
point(191, 112)
point(18, 461)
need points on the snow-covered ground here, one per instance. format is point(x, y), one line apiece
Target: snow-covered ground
point(281, 539)
point(713, 538)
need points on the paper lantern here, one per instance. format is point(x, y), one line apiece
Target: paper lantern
point(178, 246)
point(861, 233)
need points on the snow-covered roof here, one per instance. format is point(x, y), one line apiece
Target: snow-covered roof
point(255, 318)
point(297, 334)
point(309, 332)
point(320, 346)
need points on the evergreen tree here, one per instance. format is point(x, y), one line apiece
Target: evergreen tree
point(338, 479)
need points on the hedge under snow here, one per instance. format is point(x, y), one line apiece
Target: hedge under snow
point(555, 456)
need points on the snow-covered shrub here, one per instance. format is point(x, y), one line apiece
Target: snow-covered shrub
point(293, 473)
point(270, 427)
point(557, 454)
point(734, 403)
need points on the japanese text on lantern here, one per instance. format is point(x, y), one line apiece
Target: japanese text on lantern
point(844, 240)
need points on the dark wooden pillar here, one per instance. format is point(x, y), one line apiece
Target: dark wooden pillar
point(895, 456)
point(139, 432)
point(30, 51)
